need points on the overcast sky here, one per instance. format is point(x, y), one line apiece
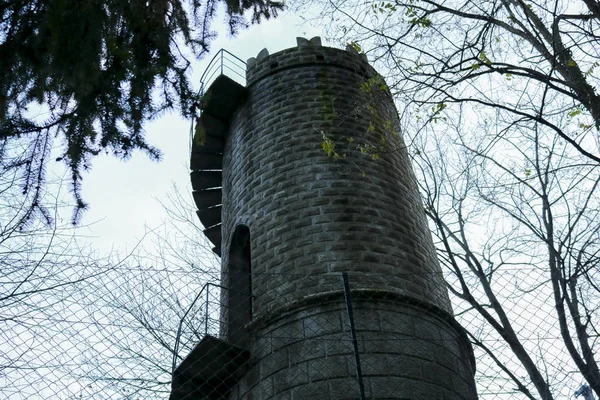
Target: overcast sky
point(123, 195)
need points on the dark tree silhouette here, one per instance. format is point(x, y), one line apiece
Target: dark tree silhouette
point(88, 75)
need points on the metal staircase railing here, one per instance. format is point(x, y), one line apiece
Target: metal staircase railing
point(202, 318)
point(222, 63)
point(201, 325)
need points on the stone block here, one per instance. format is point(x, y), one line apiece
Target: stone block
point(289, 378)
point(308, 350)
point(391, 387)
point(287, 334)
point(322, 323)
point(344, 389)
point(383, 364)
point(311, 391)
point(419, 348)
point(436, 374)
point(366, 320)
point(327, 368)
point(426, 391)
point(383, 342)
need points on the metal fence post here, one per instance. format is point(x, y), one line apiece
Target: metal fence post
point(222, 61)
point(361, 385)
point(206, 311)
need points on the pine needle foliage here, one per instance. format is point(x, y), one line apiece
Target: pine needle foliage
point(85, 75)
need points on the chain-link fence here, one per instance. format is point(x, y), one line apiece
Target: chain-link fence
point(146, 332)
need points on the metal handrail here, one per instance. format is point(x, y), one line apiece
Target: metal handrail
point(218, 64)
point(223, 63)
point(182, 320)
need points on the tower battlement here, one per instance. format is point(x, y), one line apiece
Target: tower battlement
point(307, 52)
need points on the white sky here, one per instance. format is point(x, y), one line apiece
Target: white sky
point(123, 195)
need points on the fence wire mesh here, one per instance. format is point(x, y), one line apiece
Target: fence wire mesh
point(157, 333)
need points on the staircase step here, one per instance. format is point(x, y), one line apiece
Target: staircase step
point(223, 97)
point(211, 145)
point(205, 199)
point(206, 160)
point(214, 234)
point(211, 125)
point(210, 216)
point(206, 179)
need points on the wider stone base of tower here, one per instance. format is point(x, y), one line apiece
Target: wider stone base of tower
point(406, 352)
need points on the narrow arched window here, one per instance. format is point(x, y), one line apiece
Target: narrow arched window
point(239, 287)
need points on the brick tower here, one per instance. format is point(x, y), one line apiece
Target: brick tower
point(300, 177)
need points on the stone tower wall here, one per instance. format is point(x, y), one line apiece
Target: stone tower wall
point(312, 216)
